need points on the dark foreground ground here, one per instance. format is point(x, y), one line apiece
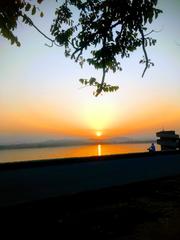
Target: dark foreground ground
point(145, 211)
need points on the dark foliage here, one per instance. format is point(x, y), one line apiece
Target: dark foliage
point(10, 12)
point(109, 28)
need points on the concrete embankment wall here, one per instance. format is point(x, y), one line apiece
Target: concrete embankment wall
point(25, 182)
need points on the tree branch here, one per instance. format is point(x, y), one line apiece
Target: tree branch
point(99, 90)
point(152, 32)
point(44, 35)
point(144, 50)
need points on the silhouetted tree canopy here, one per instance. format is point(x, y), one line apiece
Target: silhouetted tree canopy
point(108, 29)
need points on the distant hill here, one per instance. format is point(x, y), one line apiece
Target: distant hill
point(117, 140)
point(48, 143)
point(74, 142)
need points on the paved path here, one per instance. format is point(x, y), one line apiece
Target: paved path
point(27, 182)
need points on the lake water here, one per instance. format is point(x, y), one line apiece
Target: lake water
point(15, 155)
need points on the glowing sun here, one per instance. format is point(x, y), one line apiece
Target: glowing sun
point(98, 133)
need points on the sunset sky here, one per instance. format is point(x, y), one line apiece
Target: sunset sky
point(41, 97)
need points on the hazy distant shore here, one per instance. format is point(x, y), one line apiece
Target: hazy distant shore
point(62, 143)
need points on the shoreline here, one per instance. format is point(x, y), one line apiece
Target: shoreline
point(76, 160)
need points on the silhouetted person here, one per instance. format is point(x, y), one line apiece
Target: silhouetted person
point(152, 148)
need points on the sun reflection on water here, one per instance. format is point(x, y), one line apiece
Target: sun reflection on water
point(99, 149)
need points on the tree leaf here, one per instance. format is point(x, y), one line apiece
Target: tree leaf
point(33, 10)
point(39, 1)
point(27, 7)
